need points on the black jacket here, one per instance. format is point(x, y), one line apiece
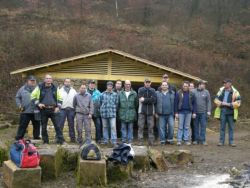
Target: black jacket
point(147, 106)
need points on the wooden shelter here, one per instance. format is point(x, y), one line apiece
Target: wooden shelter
point(108, 64)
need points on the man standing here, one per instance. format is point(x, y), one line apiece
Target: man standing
point(47, 97)
point(165, 78)
point(191, 88)
point(147, 99)
point(118, 86)
point(108, 110)
point(127, 102)
point(118, 89)
point(203, 102)
point(185, 109)
point(165, 113)
point(228, 101)
point(83, 105)
point(27, 107)
point(95, 95)
point(67, 110)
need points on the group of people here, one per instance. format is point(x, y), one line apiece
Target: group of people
point(119, 107)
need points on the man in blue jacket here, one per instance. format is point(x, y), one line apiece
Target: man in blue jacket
point(185, 109)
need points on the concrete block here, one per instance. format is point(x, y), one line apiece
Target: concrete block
point(50, 163)
point(15, 177)
point(119, 172)
point(141, 159)
point(69, 155)
point(91, 173)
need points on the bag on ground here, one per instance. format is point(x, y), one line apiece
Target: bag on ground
point(24, 154)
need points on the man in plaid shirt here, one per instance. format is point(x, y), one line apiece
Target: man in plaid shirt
point(109, 102)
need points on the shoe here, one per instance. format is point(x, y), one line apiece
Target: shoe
point(220, 144)
point(187, 143)
point(151, 143)
point(37, 138)
point(178, 143)
point(163, 143)
point(204, 144)
point(195, 143)
point(232, 145)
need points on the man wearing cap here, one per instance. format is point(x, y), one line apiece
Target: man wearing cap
point(47, 97)
point(83, 105)
point(27, 107)
point(203, 101)
point(227, 100)
point(95, 95)
point(108, 110)
point(165, 78)
point(67, 110)
point(147, 99)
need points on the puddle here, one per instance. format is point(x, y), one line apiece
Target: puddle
point(211, 181)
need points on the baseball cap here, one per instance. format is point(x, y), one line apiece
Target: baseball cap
point(31, 77)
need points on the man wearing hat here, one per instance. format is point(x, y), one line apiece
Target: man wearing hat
point(165, 78)
point(147, 99)
point(108, 109)
point(95, 95)
point(26, 107)
point(227, 100)
point(203, 101)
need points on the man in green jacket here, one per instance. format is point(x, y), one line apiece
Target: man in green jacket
point(127, 106)
point(227, 100)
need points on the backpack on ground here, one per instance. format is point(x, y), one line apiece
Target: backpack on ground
point(24, 154)
point(90, 151)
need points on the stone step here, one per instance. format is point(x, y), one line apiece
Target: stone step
point(15, 177)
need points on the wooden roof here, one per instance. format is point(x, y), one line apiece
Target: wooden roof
point(101, 52)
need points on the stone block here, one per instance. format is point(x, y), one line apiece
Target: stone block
point(91, 173)
point(69, 155)
point(158, 159)
point(15, 177)
point(119, 172)
point(51, 164)
point(178, 157)
point(141, 159)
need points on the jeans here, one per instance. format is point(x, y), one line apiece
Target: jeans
point(192, 129)
point(226, 119)
point(109, 124)
point(166, 125)
point(150, 124)
point(127, 131)
point(83, 121)
point(98, 128)
point(45, 115)
point(23, 124)
point(68, 113)
point(200, 124)
point(184, 124)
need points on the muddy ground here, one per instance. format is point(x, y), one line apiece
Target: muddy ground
point(209, 162)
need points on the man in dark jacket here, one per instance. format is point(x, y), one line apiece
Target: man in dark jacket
point(47, 97)
point(185, 109)
point(26, 107)
point(147, 99)
point(127, 106)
